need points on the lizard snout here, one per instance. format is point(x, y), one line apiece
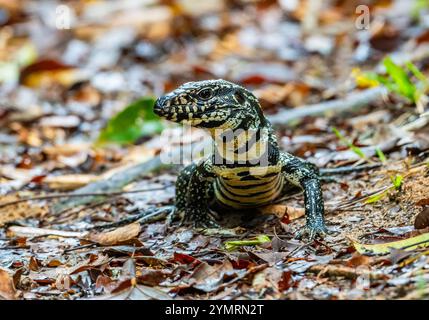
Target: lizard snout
point(159, 107)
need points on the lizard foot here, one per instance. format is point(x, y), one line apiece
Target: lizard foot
point(310, 232)
point(173, 215)
point(204, 221)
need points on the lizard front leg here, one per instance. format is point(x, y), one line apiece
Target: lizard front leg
point(199, 192)
point(306, 176)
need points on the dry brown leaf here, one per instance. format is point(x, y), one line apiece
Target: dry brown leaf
point(271, 257)
point(422, 219)
point(94, 261)
point(48, 72)
point(358, 260)
point(70, 181)
point(282, 211)
point(117, 236)
point(67, 149)
point(20, 210)
point(292, 93)
point(136, 292)
point(276, 279)
point(7, 288)
point(35, 232)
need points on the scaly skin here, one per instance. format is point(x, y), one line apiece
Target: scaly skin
point(259, 179)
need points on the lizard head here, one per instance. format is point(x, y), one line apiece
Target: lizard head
point(211, 104)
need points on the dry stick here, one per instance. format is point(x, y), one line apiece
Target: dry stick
point(343, 271)
point(67, 195)
point(116, 182)
point(354, 100)
point(143, 217)
point(112, 184)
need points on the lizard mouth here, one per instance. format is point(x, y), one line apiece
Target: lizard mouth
point(184, 113)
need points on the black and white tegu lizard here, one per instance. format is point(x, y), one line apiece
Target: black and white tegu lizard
point(246, 169)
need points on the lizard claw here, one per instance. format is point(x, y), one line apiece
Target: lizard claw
point(173, 215)
point(200, 219)
point(206, 223)
point(312, 231)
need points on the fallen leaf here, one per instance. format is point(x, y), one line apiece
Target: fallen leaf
point(261, 239)
point(423, 202)
point(358, 260)
point(151, 277)
point(208, 278)
point(422, 219)
point(94, 261)
point(285, 213)
point(36, 232)
point(47, 72)
point(7, 288)
point(21, 210)
point(60, 121)
point(271, 257)
point(69, 181)
point(134, 121)
point(184, 258)
point(128, 289)
point(139, 292)
point(33, 264)
point(118, 236)
point(66, 149)
point(384, 248)
point(272, 278)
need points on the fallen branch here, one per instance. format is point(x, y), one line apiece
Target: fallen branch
point(346, 272)
point(68, 195)
point(108, 186)
point(38, 232)
point(116, 182)
point(353, 101)
point(143, 217)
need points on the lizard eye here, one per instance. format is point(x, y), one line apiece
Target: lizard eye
point(205, 94)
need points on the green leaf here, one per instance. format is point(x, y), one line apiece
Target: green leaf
point(355, 149)
point(376, 197)
point(358, 151)
point(417, 73)
point(134, 121)
point(232, 245)
point(419, 5)
point(384, 248)
point(403, 84)
point(397, 181)
point(380, 155)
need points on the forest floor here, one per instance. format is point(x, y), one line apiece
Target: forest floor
point(63, 178)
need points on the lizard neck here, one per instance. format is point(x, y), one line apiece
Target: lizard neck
point(253, 145)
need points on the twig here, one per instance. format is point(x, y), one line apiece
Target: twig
point(343, 271)
point(143, 217)
point(354, 100)
point(37, 232)
point(14, 247)
point(85, 246)
point(67, 195)
point(122, 178)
